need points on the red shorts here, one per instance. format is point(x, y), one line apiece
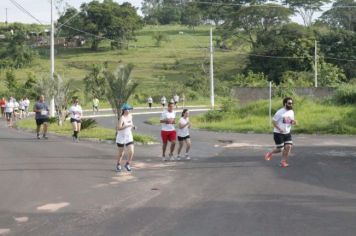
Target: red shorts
point(168, 136)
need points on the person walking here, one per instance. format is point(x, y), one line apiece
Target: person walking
point(150, 101)
point(168, 132)
point(9, 111)
point(2, 106)
point(42, 116)
point(183, 134)
point(176, 100)
point(163, 101)
point(124, 137)
point(75, 112)
point(27, 105)
point(95, 103)
point(282, 122)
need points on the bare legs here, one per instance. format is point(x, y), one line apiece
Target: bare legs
point(171, 149)
point(187, 146)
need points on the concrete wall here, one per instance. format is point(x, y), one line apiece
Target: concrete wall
point(246, 95)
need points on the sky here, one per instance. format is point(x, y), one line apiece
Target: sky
point(40, 9)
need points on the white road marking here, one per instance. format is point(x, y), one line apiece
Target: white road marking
point(21, 219)
point(4, 231)
point(53, 207)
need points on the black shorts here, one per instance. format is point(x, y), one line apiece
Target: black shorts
point(123, 145)
point(8, 115)
point(41, 121)
point(183, 138)
point(282, 139)
point(74, 120)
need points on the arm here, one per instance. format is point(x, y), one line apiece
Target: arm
point(276, 126)
point(121, 126)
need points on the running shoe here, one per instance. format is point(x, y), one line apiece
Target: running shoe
point(283, 164)
point(268, 156)
point(73, 138)
point(38, 136)
point(44, 137)
point(187, 157)
point(164, 158)
point(127, 167)
point(178, 158)
point(171, 157)
point(118, 168)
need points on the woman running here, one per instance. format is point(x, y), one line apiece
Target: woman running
point(75, 112)
point(124, 137)
point(183, 134)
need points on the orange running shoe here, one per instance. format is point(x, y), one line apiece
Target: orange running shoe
point(268, 156)
point(283, 164)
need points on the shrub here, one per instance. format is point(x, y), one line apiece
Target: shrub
point(88, 123)
point(345, 94)
point(213, 115)
point(53, 120)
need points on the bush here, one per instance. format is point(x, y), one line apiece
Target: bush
point(53, 120)
point(88, 123)
point(213, 115)
point(345, 94)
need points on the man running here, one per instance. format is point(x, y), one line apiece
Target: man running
point(282, 122)
point(42, 116)
point(75, 112)
point(163, 101)
point(2, 106)
point(9, 111)
point(95, 104)
point(168, 132)
point(176, 100)
point(150, 101)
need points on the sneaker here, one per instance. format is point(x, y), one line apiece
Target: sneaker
point(44, 137)
point(171, 157)
point(187, 157)
point(38, 136)
point(127, 167)
point(178, 158)
point(118, 168)
point(73, 138)
point(268, 156)
point(164, 158)
point(283, 164)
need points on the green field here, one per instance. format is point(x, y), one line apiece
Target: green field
point(159, 70)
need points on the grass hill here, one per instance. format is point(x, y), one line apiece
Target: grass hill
point(185, 53)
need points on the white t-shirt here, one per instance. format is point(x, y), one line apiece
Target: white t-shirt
point(9, 107)
point(163, 100)
point(22, 105)
point(184, 132)
point(26, 103)
point(16, 106)
point(75, 112)
point(284, 119)
point(176, 98)
point(167, 115)
point(125, 136)
point(149, 100)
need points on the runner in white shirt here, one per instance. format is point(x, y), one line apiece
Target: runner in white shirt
point(282, 122)
point(22, 108)
point(124, 137)
point(168, 131)
point(176, 100)
point(16, 109)
point(75, 112)
point(150, 101)
point(9, 110)
point(27, 105)
point(163, 101)
point(183, 134)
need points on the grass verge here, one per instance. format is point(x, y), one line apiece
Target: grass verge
point(98, 132)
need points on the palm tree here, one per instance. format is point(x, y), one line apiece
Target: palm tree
point(119, 87)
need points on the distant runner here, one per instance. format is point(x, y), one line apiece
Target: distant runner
point(150, 101)
point(183, 134)
point(168, 132)
point(75, 112)
point(42, 116)
point(282, 122)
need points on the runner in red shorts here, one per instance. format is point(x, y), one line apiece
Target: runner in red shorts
point(168, 131)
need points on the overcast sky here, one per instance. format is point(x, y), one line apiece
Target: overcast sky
point(41, 10)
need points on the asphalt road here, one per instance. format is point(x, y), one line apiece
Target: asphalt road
point(57, 187)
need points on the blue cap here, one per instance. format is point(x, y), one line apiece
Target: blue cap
point(126, 107)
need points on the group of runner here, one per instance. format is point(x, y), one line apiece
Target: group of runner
point(176, 99)
point(12, 109)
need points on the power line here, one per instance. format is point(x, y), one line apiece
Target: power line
point(21, 8)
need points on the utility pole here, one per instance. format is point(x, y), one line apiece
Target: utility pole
point(52, 108)
point(6, 16)
point(315, 64)
point(211, 70)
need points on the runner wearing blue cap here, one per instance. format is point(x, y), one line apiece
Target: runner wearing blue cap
point(124, 137)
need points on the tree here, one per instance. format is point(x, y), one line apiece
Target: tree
point(341, 15)
point(253, 20)
point(119, 87)
point(217, 11)
point(94, 82)
point(103, 20)
point(191, 15)
point(306, 8)
point(159, 37)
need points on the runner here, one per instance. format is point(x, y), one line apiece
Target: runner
point(27, 105)
point(42, 118)
point(95, 104)
point(9, 111)
point(2, 107)
point(282, 122)
point(75, 112)
point(21, 108)
point(183, 134)
point(16, 109)
point(150, 101)
point(163, 101)
point(124, 137)
point(168, 132)
point(176, 100)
